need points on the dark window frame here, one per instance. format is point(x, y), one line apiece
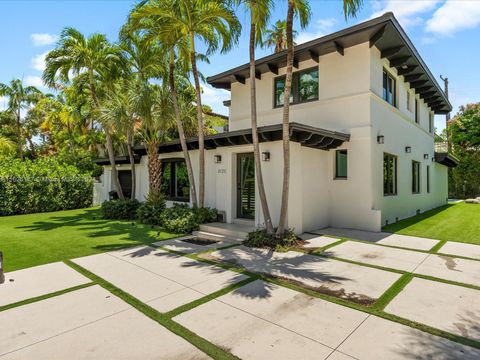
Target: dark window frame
point(428, 179)
point(394, 185)
point(431, 120)
point(172, 183)
point(337, 176)
point(417, 111)
point(416, 177)
point(394, 92)
point(295, 91)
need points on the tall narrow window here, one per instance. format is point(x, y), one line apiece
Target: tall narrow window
point(417, 111)
point(430, 123)
point(175, 185)
point(341, 164)
point(415, 177)
point(409, 100)
point(389, 174)
point(304, 87)
point(428, 179)
point(389, 88)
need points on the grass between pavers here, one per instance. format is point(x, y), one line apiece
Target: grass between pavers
point(162, 319)
point(37, 239)
point(458, 222)
point(44, 297)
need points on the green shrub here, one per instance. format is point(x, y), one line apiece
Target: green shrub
point(180, 218)
point(42, 185)
point(150, 211)
point(261, 239)
point(125, 209)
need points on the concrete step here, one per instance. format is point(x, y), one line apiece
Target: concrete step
point(216, 237)
point(231, 230)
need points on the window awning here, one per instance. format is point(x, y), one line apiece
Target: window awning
point(118, 160)
point(446, 159)
point(308, 136)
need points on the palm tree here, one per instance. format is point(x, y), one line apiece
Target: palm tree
point(259, 15)
point(19, 97)
point(276, 36)
point(95, 60)
point(184, 21)
point(301, 9)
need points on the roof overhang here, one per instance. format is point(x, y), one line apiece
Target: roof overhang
point(446, 159)
point(308, 136)
point(119, 160)
point(384, 32)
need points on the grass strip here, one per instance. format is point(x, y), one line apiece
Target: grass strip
point(437, 247)
point(392, 291)
point(166, 321)
point(43, 297)
point(209, 297)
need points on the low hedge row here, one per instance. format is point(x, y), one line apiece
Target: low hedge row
point(42, 185)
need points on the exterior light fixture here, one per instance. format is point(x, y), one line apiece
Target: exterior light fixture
point(381, 139)
point(217, 159)
point(425, 156)
point(405, 66)
point(408, 149)
point(266, 156)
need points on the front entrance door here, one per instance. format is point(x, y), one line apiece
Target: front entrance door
point(125, 178)
point(245, 186)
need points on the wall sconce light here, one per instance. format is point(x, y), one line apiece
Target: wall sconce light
point(408, 149)
point(217, 159)
point(381, 139)
point(266, 156)
point(425, 156)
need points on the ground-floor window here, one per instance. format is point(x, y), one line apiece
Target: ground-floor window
point(389, 174)
point(175, 185)
point(341, 157)
point(428, 179)
point(415, 177)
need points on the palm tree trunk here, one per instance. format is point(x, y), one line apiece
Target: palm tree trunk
point(111, 157)
point(253, 110)
point(181, 132)
point(201, 144)
point(19, 135)
point(154, 168)
point(132, 161)
point(285, 122)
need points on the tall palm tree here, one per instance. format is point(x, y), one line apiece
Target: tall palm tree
point(213, 23)
point(301, 9)
point(19, 98)
point(95, 60)
point(259, 15)
point(276, 36)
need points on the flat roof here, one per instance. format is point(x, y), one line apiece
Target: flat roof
point(384, 32)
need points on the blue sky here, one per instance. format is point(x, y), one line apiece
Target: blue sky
point(446, 33)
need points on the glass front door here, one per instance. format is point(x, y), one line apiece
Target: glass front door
point(246, 186)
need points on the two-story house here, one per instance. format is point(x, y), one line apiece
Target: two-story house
point(361, 130)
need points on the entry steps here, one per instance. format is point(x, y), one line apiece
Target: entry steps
point(232, 233)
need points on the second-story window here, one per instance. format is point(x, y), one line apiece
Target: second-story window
point(417, 111)
point(389, 88)
point(304, 87)
point(430, 123)
point(415, 177)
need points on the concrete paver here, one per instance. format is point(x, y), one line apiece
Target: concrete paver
point(380, 339)
point(37, 281)
point(345, 280)
point(315, 241)
point(451, 268)
point(451, 308)
point(161, 279)
point(461, 249)
point(184, 246)
point(88, 324)
point(399, 259)
point(384, 238)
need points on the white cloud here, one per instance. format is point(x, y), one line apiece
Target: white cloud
point(454, 16)
point(43, 39)
point(34, 81)
point(322, 27)
point(214, 98)
point(38, 62)
point(406, 11)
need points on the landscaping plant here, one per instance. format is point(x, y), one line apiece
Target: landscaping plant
point(120, 209)
point(150, 211)
point(183, 219)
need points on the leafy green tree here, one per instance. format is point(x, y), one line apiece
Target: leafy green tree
point(20, 97)
point(97, 63)
point(276, 36)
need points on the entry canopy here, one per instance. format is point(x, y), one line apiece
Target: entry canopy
point(305, 135)
point(384, 32)
point(446, 159)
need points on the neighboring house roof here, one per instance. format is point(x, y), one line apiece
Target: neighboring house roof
point(446, 159)
point(384, 32)
point(305, 135)
point(118, 160)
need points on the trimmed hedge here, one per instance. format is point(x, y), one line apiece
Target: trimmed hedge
point(181, 218)
point(33, 186)
point(118, 209)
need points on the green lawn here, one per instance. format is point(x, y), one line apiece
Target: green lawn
point(35, 239)
point(455, 222)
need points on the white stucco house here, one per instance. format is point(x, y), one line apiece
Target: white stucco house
point(362, 136)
